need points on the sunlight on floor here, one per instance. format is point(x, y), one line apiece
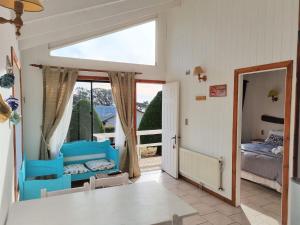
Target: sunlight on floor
point(260, 206)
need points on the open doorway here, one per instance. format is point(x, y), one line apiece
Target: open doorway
point(149, 124)
point(261, 130)
point(262, 142)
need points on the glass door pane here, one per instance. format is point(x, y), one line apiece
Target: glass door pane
point(81, 120)
point(104, 112)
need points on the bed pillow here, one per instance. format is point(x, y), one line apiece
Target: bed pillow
point(75, 169)
point(273, 139)
point(276, 132)
point(100, 164)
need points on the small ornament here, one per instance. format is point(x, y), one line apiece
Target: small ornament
point(5, 110)
point(15, 118)
point(7, 80)
point(13, 103)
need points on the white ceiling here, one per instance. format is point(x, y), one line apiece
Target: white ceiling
point(66, 21)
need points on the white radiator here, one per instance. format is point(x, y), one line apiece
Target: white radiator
point(200, 168)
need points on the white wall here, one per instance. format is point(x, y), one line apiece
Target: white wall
point(33, 86)
point(257, 103)
point(8, 39)
point(295, 203)
point(222, 36)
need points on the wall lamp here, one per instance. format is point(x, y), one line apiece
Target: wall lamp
point(198, 71)
point(274, 94)
point(19, 6)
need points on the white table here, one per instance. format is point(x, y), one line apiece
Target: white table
point(137, 204)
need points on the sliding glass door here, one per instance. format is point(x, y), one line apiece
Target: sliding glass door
point(94, 113)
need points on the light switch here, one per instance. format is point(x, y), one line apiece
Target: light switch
point(186, 121)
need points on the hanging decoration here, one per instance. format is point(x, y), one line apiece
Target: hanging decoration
point(7, 80)
point(15, 118)
point(5, 110)
point(13, 103)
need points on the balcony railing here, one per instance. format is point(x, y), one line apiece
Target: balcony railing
point(104, 136)
point(146, 133)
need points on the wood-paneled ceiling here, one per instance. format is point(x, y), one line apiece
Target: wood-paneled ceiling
point(66, 21)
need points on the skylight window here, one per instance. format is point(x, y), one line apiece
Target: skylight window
point(135, 45)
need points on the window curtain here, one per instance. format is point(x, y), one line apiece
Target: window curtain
point(119, 136)
point(61, 132)
point(58, 85)
point(123, 90)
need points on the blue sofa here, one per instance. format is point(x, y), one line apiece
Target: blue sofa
point(31, 177)
point(84, 151)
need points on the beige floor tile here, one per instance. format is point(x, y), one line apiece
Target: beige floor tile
point(194, 220)
point(260, 205)
point(191, 199)
point(203, 209)
point(274, 208)
point(198, 192)
point(240, 218)
point(227, 209)
point(217, 218)
point(211, 200)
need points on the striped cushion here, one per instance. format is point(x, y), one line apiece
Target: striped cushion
point(100, 164)
point(75, 169)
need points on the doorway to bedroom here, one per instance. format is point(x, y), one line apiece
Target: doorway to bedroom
point(262, 97)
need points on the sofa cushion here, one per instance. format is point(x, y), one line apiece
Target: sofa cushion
point(100, 164)
point(75, 169)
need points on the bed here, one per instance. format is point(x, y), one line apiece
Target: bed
point(39, 174)
point(261, 163)
point(84, 159)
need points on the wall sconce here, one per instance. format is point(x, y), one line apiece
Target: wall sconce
point(274, 95)
point(199, 71)
point(19, 6)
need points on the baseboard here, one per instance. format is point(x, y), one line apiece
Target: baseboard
point(224, 199)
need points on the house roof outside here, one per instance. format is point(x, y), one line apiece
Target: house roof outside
point(108, 114)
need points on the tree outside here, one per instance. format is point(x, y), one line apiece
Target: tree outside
point(101, 96)
point(80, 125)
point(152, 120)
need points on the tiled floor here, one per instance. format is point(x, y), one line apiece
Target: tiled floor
point(260, 206)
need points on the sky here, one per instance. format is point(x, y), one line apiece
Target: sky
point(132, 45)
point(145, 92)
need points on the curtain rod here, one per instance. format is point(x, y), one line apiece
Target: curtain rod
point(80, 69)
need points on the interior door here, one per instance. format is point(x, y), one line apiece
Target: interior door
point(170, 117)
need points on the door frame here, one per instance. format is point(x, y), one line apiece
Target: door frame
point(288, 65)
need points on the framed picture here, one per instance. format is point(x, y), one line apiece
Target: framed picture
point(218, 90)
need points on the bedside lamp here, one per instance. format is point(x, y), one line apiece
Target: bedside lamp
point(198, 71)
point(19, 6)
